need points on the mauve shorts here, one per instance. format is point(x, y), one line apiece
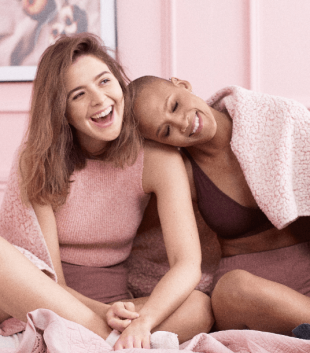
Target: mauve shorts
point(105, 284)
point(289, 266)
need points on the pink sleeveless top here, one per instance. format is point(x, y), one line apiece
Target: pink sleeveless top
point(102, 213)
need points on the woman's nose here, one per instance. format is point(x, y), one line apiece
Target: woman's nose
point(183, 129)
point(97, 97)
point(185, 122)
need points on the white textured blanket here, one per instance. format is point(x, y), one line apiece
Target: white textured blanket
point(271, 140)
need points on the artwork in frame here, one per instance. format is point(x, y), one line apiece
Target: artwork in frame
point(28, 27)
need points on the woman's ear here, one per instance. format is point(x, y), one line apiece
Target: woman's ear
point(182, 83)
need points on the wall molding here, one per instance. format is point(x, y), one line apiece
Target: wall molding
point(173, 38)
point(13, 111)
point(168, 36)
point(254, 26)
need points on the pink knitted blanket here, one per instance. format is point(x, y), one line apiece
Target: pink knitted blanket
point(47, 332)
point(19, 225)
point(271, 140)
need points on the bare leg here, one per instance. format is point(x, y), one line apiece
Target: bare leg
point(23, 288)
point(191, 318)
point(241, 300)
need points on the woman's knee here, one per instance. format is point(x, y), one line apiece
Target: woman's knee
point(200, 308)
point(234, 286)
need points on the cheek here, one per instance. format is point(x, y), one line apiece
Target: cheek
point(144, 131)
point(147, 124)
point(120, 98)
point(115, 91)
point(72, 113)
point(148, 133)
point(70, 120)
point(68, 114)
point(78, 108)
point(120, 108)
point(122, 101)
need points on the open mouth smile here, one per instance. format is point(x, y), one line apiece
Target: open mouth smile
point(195, 125)
point(103, 118)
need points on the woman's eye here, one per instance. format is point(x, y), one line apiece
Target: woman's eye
point(104, 81)
point(175, 107)
point(167, 131)
point(77, 95)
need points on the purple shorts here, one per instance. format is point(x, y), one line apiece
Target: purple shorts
point(289, 266)
point(105, 284)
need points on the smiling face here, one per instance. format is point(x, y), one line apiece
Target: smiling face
point(169, 113)
point(95, 103)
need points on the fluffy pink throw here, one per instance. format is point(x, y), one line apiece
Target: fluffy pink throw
point(19, 225)
point(271, 139)
point(46, 332)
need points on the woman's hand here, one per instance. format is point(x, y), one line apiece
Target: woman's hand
point(136, 335)
point(120, 314)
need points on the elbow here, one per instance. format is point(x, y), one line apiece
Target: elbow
point(189, 266)
point(193, 268)
point(198, 274)
point(195, 264)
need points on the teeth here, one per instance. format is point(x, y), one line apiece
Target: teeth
point(102, 114)
point(196, 124)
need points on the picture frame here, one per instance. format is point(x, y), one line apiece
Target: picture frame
point(106, 30)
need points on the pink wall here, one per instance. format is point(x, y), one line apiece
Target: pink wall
point(259, 44)
point(206, 43)
point(14, 105)
point(284, 48)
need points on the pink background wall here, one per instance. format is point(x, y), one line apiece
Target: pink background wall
point(259, 44)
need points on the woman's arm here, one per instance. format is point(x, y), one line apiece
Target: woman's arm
point(25, 288)
point(47, 222)
point(165, 175)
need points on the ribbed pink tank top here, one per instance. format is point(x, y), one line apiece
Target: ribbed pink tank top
point(102, 213)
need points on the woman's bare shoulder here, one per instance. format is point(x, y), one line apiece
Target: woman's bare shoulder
point(156, 148)
point(161, 163)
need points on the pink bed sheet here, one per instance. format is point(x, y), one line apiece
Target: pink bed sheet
point(46, 332)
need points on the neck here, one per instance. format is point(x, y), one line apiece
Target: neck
point(91, 147)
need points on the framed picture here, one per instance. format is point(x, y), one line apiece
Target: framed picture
point(28, 27)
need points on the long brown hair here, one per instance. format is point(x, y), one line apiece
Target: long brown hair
point(51, 150)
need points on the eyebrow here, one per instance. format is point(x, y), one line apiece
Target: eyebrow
point(161, 125)
point(80, 87)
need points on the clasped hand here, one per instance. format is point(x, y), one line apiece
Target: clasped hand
point(122, 316)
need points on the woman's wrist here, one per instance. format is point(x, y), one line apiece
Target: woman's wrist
point(101, 309)
point(145, 320)
point(97, 307)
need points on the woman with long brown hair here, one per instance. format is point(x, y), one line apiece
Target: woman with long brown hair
point(84, 180)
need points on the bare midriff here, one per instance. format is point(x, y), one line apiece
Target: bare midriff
point(271, 239)
point(215, 247)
